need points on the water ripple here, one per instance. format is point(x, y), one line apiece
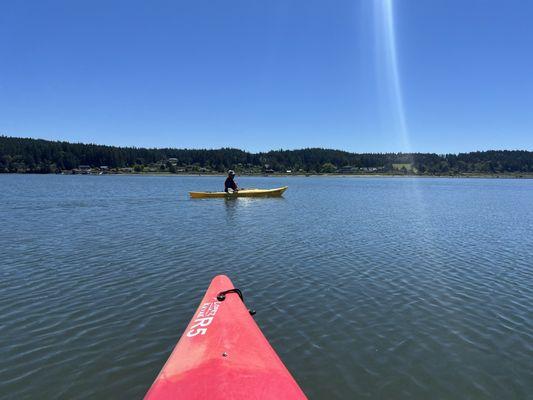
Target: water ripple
point(365, 288)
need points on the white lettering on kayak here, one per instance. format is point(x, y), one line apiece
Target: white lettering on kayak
point(203, 319)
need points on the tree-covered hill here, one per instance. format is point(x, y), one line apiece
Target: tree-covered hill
point(45, 156)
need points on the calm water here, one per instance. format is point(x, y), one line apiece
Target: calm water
point(367, 288)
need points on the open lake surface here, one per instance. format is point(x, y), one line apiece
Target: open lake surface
point(368, 288)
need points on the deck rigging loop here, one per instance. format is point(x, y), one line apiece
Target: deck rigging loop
point(222, 296)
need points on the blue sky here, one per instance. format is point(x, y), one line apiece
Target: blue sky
point(385, 75)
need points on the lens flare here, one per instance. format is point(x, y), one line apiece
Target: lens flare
point(387, 65)
point(389, 81)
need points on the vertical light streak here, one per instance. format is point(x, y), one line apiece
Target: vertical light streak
point(389, 80)
point(387, 52)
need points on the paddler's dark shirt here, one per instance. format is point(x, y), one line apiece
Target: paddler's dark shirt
point(229, 184)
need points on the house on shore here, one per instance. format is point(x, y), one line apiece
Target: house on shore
point(83, 169)
point(347, 169)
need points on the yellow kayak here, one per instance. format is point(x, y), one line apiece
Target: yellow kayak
point(241, 193)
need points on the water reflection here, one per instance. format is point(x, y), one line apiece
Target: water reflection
point(243, 205)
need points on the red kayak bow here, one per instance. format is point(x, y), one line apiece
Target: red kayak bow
point(223, 355)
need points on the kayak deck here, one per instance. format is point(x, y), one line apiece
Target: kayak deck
point(276, 192)
point(223, 355)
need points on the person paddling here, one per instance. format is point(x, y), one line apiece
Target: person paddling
point(230, 183)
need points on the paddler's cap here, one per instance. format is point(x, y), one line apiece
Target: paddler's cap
point(231, 172)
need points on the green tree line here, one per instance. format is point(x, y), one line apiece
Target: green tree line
point(45, 156)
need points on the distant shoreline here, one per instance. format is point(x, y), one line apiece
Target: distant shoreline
point(26, 155)
point(283, 175)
